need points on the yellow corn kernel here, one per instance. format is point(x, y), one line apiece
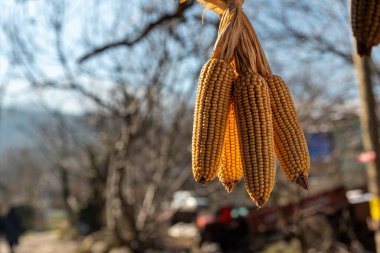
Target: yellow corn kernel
point(290, 143)
point(210, 118)
point(231, 168)
point(255, 129)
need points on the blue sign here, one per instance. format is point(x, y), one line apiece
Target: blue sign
point(320, 146)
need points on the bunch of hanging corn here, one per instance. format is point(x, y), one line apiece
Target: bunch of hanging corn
point(244, 115)
point(365, 20)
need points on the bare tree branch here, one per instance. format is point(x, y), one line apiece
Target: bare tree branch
point(177, 15)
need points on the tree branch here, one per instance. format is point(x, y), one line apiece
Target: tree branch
point(178, 14)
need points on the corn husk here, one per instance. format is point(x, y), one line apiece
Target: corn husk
point(218, 6)
point(238, 43)
point(249, 53)
point(229, 33)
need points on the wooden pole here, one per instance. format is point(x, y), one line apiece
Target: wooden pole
point(370, 136)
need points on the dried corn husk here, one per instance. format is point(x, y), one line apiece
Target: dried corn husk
point(218, 6)
point(229, 33)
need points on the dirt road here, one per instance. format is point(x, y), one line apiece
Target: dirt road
point(42, 242)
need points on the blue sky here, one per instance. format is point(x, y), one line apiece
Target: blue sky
point(118, 20)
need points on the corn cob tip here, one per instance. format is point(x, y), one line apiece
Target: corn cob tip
point(229, 186)
point(302, 181)
point(202, 181)
point(364, 50)
point(260, 202)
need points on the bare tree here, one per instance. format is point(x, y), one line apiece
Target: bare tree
point(137, 71)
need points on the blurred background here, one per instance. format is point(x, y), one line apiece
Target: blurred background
point(96, 112)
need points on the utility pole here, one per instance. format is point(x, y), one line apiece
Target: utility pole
point(370, 136)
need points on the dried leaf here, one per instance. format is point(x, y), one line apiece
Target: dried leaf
point(217, 6)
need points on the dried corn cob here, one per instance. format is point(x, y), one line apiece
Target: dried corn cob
point(290, 143)
point(365, 20)
point(210, 118)
point(255, 135)
point(231, 168)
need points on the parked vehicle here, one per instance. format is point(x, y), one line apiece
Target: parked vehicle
point(326, 217)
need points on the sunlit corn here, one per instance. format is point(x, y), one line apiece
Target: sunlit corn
point(231, 168)
point(210, 118)
point(255, 135)
point(290, 143)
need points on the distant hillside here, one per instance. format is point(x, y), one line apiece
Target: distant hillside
point(19, 126)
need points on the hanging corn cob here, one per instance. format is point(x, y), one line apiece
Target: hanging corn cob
point(256, 135)
point(213, 102)
point(290, 143)
point(365, 20)
point(210, 118)
point(231, 169)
